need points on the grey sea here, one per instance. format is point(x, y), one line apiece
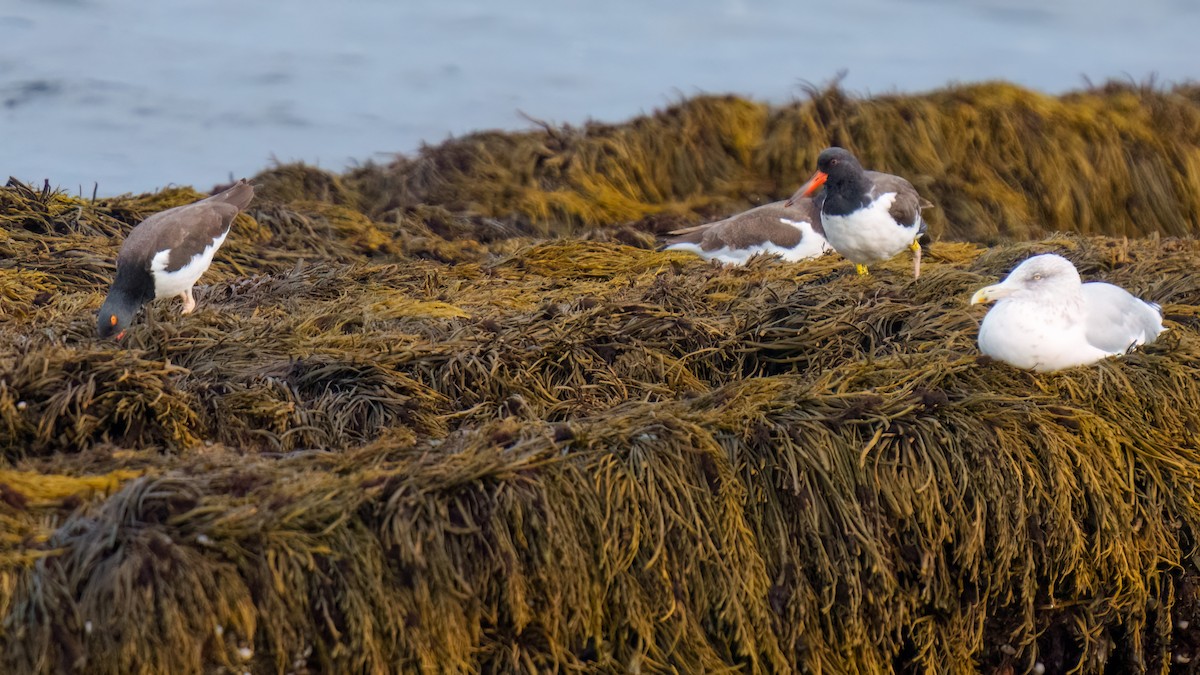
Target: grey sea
point(129, 95)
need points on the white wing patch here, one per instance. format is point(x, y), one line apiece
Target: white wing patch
point(812, 245)
point(168, 284)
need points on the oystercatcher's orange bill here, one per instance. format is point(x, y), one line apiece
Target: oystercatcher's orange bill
point(813, 183)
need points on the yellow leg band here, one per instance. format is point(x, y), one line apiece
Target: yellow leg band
point(861, 269)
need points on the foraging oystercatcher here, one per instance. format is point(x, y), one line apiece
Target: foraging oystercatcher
point(1045, 319)
point(167, 253)
point(868, 216)
point(790, 232)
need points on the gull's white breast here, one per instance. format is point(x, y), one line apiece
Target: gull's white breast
point(1028, 335)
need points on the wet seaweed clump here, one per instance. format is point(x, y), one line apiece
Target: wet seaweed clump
point(457, 414)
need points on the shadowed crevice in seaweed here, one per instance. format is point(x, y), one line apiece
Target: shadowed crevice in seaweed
point(773, 521)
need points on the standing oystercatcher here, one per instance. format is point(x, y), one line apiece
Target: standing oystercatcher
point(868, 216)
point(790, 232)
point(167, 253)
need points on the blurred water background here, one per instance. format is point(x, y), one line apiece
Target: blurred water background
point(134, 95)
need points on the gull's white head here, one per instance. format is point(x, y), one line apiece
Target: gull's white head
point(1039, 276)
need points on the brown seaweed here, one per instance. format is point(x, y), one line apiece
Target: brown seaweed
point(456, 414)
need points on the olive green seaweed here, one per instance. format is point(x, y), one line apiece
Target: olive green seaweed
point(456, 414)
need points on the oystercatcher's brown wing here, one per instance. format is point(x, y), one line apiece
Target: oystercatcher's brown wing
point(752, 228)
point(184, 230)
point(906, 208)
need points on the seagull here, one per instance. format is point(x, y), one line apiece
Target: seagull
point(790, 232)
point(868, 216)
point(167, 253)
point(1045, 319)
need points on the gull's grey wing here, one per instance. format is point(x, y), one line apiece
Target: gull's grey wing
point(1116, 320)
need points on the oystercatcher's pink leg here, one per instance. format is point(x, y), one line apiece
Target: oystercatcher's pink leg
point(189, 303)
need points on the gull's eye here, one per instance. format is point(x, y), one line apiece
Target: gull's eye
point(1037, 277)
point(112, 320)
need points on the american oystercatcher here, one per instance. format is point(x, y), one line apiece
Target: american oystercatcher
point(167, 253)
point(790, 232)
point(1045, 319)
point(868, 216)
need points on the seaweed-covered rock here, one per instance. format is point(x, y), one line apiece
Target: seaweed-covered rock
point(455, 414)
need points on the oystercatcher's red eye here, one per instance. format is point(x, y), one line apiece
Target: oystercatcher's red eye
point(112, 320)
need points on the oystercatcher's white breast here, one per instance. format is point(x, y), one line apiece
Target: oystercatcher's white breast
point(869, 234)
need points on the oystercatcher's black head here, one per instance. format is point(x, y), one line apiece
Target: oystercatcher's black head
point(117, 312)
point(838, 168)
point(835, 166)
point(132, 288)
point(838, 162)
